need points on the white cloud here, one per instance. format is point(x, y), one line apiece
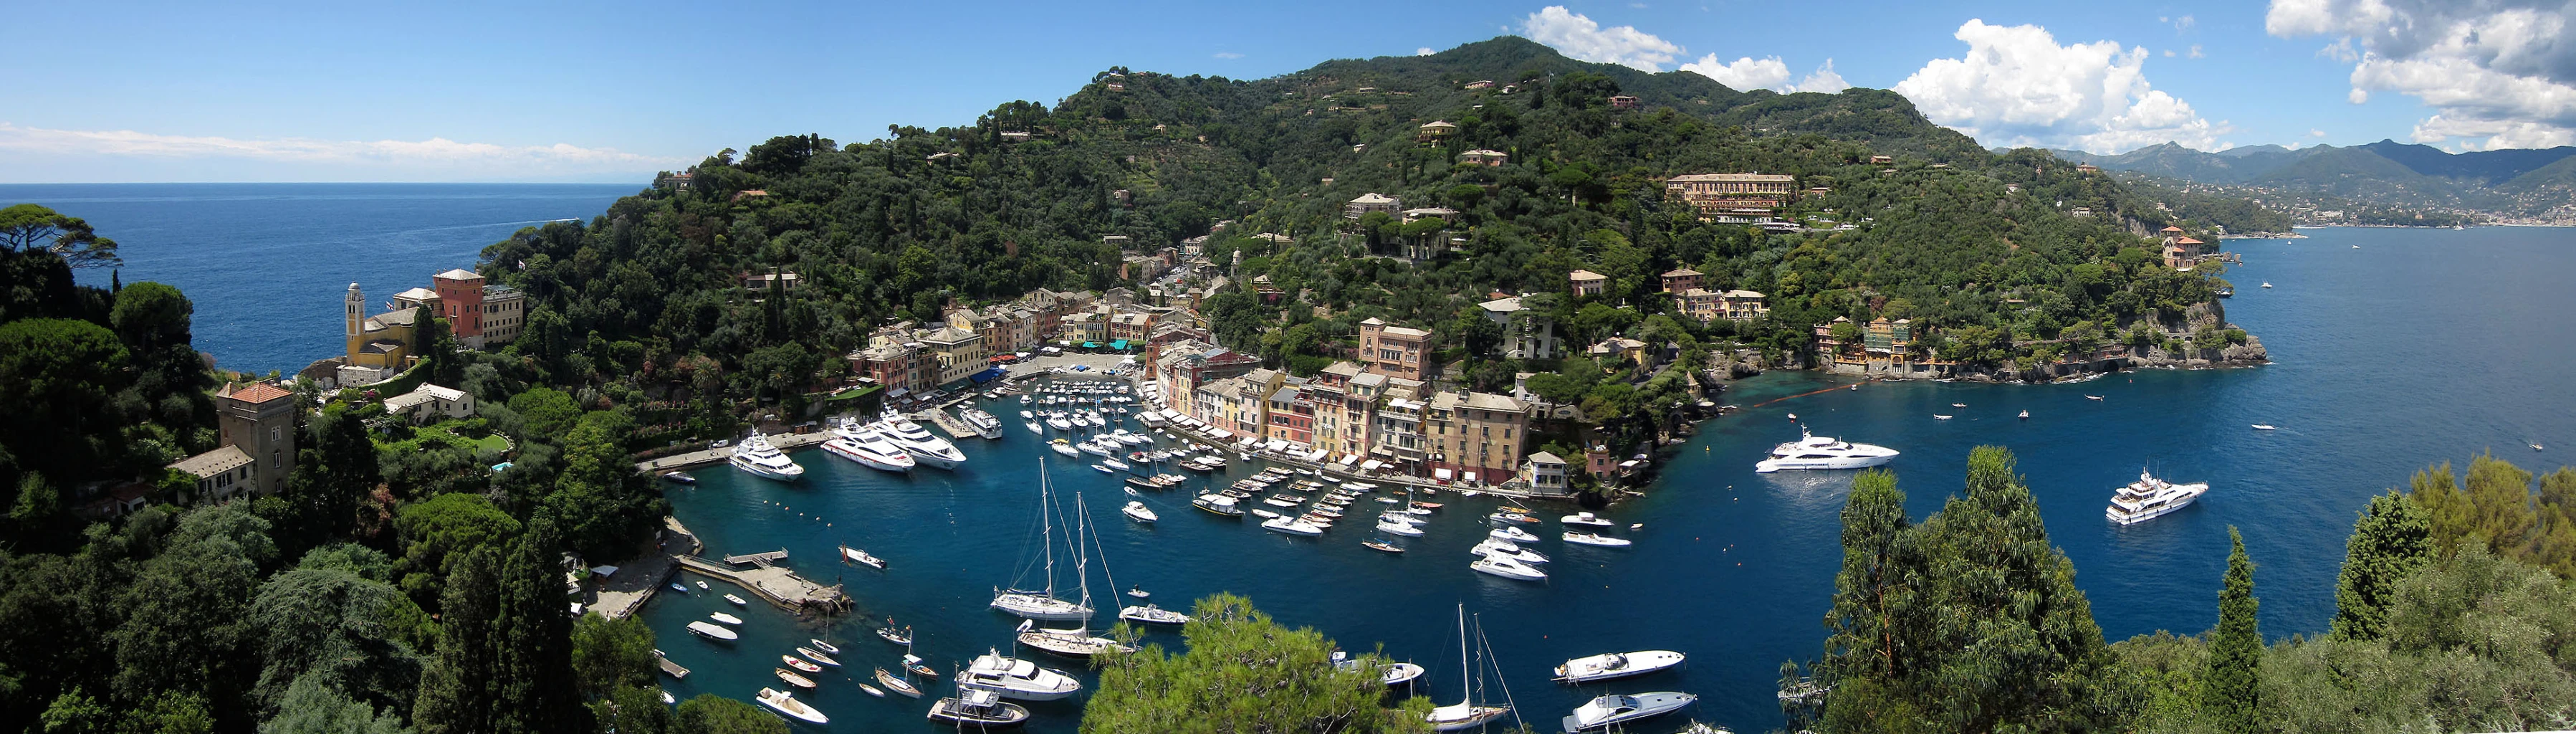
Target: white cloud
point(2497, 73)
point(2016, 86)
point(2195, 51)
point(2315, 133)
point(2184, 23)
point(1423, 51)
point(1579, 37)
point(435, 158)
point(1748, 73)
point(1228, 55)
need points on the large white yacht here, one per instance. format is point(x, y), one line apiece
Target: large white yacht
point(2150, 498)
point(756, 457)
point(917, 441)
point(1016, 678)
point(1823, 452)
point(868, 447)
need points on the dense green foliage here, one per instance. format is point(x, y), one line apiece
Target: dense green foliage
point(2229, 694)
point(1242, 673)
point(2390, 542)
point(2496, 505)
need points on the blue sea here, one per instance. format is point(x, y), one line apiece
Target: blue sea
point(268, 264)
point(2416, 347)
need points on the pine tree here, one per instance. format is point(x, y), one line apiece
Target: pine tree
point(2391, 540)
point(2228, 695)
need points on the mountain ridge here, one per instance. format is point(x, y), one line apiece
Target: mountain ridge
point(2328, 183)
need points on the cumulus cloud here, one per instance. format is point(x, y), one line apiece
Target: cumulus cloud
point(1748, 73)
point(2497, 73)
point(1423, 51)
point(1577, 36)
point(435, 157)
point(2016, 86)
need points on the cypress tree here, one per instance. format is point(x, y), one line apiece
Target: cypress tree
point(2391, 540)
point(2228, 695)
point(456, 694)
point(535, 691)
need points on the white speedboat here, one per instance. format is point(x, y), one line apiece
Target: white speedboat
point(1507, 568)
point(1596, 539)
point(1491, 548)
point(1609, 665)
point(870, 450)
point(1292, 526)
point(984, 423)
point(756, 457)
point(1515, 535)
point(918, 442)
point(2150, 498)
point(1137, 511)
point(786, 705)
point(1015, 678)
point(1613, 710)
point(981, 708)
point(2263, 426)
point(1583, 518)
point(1823, 452)
point(861, 557)
point(725, 618)
point(1150, 614)
point(713, 631)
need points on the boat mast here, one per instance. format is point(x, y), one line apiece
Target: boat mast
point(1082, 560)
point(1466, 668)
point(1046, 527)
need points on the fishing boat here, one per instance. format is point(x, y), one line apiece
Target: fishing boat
point(861, 557)
point(1383, 546)
point(1015, 678)
point(1217, 504)
point(1041, 604)
point(818, 656)
point(824, 646)
point(1465, 714)
point(1596, 539)
point(755, 456)
point(1151, 614)
point(737, 601)
point(897, 684)
point(1612, 665)
point(981, 708)
point(1616, 709)
point(800, 664)
point(1137, 511)
point(786, 705)
point(792, 678)
point(1583, 518)
point(725, 618)
point(713, 631)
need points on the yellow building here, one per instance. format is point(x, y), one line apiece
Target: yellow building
point(381, 342)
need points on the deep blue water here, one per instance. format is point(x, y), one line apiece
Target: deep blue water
point(2419, 347)
point(267, 264)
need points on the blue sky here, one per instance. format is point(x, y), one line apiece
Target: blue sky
point(614, 91)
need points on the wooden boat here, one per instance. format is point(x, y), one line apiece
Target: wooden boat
point(810, 654)
point(897, 684)
point(793, 662)
point(792, 678)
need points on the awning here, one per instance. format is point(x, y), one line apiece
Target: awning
point(1440, 474)
point(1370, 465)
point(1091, 345)
point(604, 570)
point(1276, 445)
point(1470, 476)
point(1348, 459)
point(1120, 344)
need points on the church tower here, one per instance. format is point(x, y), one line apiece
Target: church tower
point(355, 316)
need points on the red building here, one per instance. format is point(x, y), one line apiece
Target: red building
point(460, 298)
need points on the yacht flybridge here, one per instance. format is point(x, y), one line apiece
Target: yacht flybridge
point(756, 457)
point(2150, 498)
point(1823, 452)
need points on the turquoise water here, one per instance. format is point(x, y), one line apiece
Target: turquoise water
point(2420, 346)
point(267, 264)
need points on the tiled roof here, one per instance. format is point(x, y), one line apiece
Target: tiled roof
point(213, 462)
point(256, 393)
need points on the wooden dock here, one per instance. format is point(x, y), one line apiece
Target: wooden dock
point(777, 585)
point(670, 668)
point(956, 427)
point(758, 559)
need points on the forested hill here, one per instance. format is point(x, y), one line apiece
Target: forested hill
point(2386, 182)
point(1982, 244)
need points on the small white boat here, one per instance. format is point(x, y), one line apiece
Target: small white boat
point(1958, 405)
point(861, 557)
point(786, 705)
point(981, 708)
point(1033, 427)
point(1583, 518)
point(1150, 614)
point(713, 631)
point(1137, 511)
point(872, 690)
point(1515, 535)
point(1115, 464)
point(2263, 427)
point(726, 618)
point(824, 646)
point(897, 684)
point(1613, 710)
point(737, 601)
point(2092, 397)
point(1401, 673)
point(1381, 546)
point(2267, 284)
point(1940, 417)
point(1507, 568)
point(1610, 665)
point(1596, 539)
point(790, 677)
point(1292, 526)
point(1397, 528)
point(2025, 415)
point(817, 656)
point(1491, 548)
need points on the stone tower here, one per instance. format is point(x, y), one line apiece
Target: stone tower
point(354, 317)
point(259, 419)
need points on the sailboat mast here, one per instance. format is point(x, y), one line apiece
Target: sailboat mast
point(1046, 527)
point(1466, 668)
point(1081, 559)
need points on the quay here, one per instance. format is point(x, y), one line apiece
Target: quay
point(758, 559)
point(669, 668)
point(784, 442)
point(956, 427)
point(777, 585)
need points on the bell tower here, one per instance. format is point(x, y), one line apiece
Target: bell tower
point(355, 320)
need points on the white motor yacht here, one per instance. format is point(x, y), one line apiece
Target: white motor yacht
point(1015, 678)
point(786, 705)
point(1596, 539)
point(1292, 526)
point(1137, 511)
point(1507, 568)
point(1612, 710)
point(1515, 535)
point(1583, 518)
point(756, 457)
point(868, 447)
point(1491, 548)
point(917, 441)
point(1611, 665)
point(984, 423)
point(2150, 498)
point(1150, 614)
point(1823, 452)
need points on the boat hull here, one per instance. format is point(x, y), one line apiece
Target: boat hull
point(1032, 606)
point(1767, 466)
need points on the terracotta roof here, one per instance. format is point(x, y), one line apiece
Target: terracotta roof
point(1681, 273)
point(1581, 275)
point(256, 393)
point(2186, 241)
point(2170, 228)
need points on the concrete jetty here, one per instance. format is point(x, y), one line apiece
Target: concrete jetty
point(777, 585)
point(784, 442)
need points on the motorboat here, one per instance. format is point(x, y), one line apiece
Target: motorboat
point(1491, 548)
point(818, 656)
point(1615, 709)
point(1383, 546)
point(1596, 539)
point(679, 588)
point(1143, 483)
point(1401, 673)
point(1584, 518)
point(981, 708)
point(786, 705)
point(1025, 415)
point(2263, 427)
point(984, 423)
point(897, 684)
point(1057, 421)
point(1611, 665)
point(755, 456)
point(800, 664)
point(726, 618)
point(1151, 614)
point(1498, 565)
point(1137, 511)
point(1218, 504)
point(917, 441)
point(1515, 535)
point(1509, 517)
point(1016, 679)
point(1116, 464)
point(870, 449)
point(1065, 448)
point(713, 631)
point(1265, 514)
point(1033, 427)
point(1094, 448)
point(791, 678)
point(1940, 417)
point(2092, 397)
point(1293, 526)
point(678, 477)
point(2150, 498)
point(702, 585)
point(861, 557)
point(824, 646)
point(1464, 714)
point(1823, 452)
point(737, 601)
point(1958, 405)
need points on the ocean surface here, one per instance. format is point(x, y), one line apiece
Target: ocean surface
point(2418, 347)
point(268, 264)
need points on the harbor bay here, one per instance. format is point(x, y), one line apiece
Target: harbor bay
point(1730, 567)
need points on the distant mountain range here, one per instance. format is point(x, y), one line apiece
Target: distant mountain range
point(2326, 184)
